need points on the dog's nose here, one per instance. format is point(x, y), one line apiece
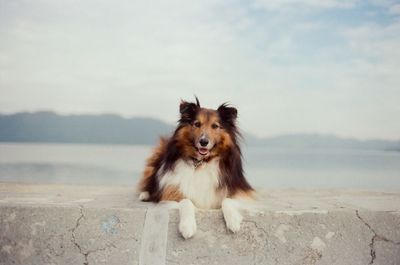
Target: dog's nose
point(203, 141)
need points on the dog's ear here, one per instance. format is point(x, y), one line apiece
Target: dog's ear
point(188, 111)
point(227, 114)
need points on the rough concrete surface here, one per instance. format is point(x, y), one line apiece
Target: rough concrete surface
point(63, 224)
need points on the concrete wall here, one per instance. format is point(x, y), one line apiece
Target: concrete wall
point(55, 224)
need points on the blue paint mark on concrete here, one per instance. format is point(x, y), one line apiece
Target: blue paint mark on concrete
point(110, 225)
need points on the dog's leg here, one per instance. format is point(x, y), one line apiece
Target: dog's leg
point(144, 196)
point(232, 216)
point(187, 223)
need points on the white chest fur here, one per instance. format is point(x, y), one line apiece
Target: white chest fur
point(199, 185)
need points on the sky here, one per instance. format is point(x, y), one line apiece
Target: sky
point(306, 66)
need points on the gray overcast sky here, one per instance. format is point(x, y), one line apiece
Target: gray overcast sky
point(308, 66)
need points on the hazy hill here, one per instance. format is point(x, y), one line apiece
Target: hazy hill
point(299, 141)
point(107, 129)
point(114, 129)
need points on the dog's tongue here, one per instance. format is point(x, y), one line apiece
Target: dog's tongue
point(203, 151)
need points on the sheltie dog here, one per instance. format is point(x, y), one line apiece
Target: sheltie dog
point(200, 165)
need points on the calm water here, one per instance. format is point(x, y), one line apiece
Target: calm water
point(121, 165)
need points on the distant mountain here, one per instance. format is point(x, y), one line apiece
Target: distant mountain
point(105, 129)
point(113, 129)
point(318, 141)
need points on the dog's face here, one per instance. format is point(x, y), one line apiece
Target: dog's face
point(205, 133)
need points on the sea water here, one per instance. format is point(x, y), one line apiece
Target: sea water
point(264, 167)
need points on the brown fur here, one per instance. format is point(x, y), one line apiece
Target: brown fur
point(152, 166)
point(244, 195)
point(171, 193)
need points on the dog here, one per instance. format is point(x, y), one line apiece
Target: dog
point(200, 165)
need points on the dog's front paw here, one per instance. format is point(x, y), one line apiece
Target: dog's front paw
point(232, 216)
point(233, 219)
point(187, 227)
point(144, 196)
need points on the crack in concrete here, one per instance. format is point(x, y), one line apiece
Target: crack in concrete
point(78, 221)
point(74, 241)
point(265, 242)
point(256, 225)
point(374, 238)
point(381, 238)
point(372, 243)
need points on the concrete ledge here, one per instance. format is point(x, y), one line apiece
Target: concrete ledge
point(61, 224)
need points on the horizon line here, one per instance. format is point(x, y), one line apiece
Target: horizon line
point(253, 134)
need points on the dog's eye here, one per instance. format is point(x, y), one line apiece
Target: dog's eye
point(197, 124)
point(214, 126)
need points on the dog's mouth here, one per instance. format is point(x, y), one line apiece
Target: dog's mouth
point(203, 151)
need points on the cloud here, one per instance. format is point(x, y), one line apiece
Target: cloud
point(285, 5)
point(395, 9)
point(298, 73)
point(376, 42)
